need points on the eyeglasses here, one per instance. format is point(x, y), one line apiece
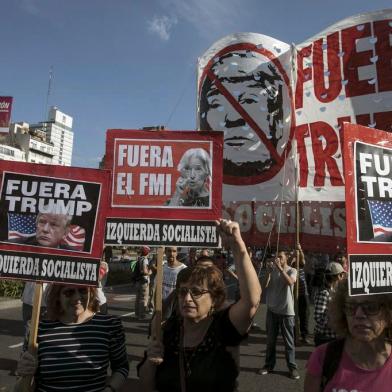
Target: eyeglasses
point(83, 291)
point(195, 292)
point(369, 308)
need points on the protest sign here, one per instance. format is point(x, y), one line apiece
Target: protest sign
point(159, 180)
point(244, 90)
point(52, 222)
point(342, 74)
point(48, 267)
point(368, 166)
point(322, 226)
point(282, 107)
point(263, 94)
point(156, 232)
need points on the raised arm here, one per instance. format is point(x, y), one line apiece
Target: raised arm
point(243, 311)
point(289, 279)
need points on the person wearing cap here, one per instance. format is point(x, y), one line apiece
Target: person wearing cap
point(341, 258)
point(142, 284)
point(323, 333)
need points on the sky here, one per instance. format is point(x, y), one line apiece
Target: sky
point(132, 63)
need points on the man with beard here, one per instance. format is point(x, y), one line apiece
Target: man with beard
point(170, 271)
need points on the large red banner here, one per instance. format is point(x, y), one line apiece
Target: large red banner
point(343, 74)
point(322, 225)
point(265, 95)
point(282, 107)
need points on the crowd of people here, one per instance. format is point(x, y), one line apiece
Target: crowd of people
point(78, 341)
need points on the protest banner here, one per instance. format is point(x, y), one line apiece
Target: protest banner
point(155, 232)
point(166, 187)
point(367, 167)
point(262, 93)
point(343, 74)
point(52, 222)
point(244, 90)
point(281, 108)
point(322, 226)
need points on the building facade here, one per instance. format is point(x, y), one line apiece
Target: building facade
point(8, 153)
point(32, 142)
point(58, 130)
point(49, 142)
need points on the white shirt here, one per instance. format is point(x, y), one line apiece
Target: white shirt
point(170, 279)
point(28, 293)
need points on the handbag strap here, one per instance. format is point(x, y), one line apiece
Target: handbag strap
point(332, 359)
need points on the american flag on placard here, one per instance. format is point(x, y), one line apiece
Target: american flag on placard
point(381, 213)
point(21, 226)
point(75, 238)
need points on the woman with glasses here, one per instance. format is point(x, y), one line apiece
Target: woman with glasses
point(193, 354)
point(365, 364)
point(76, 345)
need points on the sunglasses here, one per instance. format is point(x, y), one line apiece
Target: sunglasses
point(195, 292)
point(369, 308)
point(83, 291)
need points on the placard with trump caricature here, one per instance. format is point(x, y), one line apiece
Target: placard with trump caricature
point(50, 217)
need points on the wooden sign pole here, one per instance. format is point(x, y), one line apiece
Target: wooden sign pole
point(27, 383)
point(158, 294)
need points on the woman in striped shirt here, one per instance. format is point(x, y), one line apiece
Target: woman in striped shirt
point(76, 345)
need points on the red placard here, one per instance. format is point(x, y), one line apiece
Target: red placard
point(147, 166)
point(166, 187)
point(364, 151)
point(52, 222)
point(368, 168)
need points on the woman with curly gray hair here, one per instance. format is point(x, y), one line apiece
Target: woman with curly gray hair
point(193, 185)
point(365, 325)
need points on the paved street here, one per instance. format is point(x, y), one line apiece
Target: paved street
point(120, 301)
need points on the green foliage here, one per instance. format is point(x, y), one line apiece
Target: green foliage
point(11, 288)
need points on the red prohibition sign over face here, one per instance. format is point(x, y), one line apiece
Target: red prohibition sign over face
point(244, 91)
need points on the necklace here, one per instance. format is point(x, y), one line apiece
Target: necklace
point(189, 354)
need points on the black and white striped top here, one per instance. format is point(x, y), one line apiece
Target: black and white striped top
point(75, 357)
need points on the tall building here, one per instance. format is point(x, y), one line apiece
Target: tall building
point(59, 132)
point(48, 142)
point(32, 141)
